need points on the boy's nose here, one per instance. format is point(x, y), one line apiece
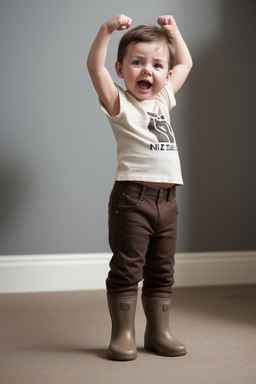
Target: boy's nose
point(147, 71)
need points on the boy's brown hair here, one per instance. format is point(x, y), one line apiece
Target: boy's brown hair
point(144, 33)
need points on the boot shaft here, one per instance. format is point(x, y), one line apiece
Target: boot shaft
point(158, 337)
point(157, 311)
point(122, 312)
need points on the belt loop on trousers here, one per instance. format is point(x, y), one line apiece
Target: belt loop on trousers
point(143, 192)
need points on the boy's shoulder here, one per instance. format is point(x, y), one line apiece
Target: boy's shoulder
point(168, 95)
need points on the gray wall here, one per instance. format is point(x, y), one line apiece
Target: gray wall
point(57, 152)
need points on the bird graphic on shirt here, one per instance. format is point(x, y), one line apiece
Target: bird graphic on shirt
point(160, 128)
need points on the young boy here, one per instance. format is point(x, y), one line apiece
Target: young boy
point(142, 206)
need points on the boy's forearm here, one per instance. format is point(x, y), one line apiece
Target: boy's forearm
point(182, 54)
point(97, 55)
point(98, 52)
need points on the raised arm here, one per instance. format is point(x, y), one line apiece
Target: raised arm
point(183, 60)
point(100, 76)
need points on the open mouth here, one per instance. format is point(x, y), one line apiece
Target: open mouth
point(144, 85)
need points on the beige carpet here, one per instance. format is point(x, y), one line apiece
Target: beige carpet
point(60, 338)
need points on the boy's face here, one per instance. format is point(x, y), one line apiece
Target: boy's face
point(145, 69)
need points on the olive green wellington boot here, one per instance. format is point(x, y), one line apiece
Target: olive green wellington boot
point(158, 337)
point(122, 344)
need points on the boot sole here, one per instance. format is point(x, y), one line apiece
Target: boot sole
point(171, 354)
point(121, 357)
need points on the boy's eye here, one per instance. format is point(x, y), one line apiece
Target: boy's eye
point(158, 66)
point(136, 62)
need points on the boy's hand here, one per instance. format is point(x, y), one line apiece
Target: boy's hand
point(119, 23)
point(167, 21)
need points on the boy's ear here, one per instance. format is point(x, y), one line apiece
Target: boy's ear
point(168, 76)
point(119, 71)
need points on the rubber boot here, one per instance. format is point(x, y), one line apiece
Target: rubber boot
point(122, 344)
point(158, 337)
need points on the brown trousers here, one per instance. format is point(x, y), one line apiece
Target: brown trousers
point(142, 237)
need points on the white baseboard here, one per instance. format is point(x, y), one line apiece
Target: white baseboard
point(44, 273)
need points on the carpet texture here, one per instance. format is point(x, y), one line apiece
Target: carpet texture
point(61, 338)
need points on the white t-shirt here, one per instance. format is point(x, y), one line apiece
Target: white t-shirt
point(146, 146)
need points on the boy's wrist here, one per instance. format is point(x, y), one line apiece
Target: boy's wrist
point(173, 30)
point(119, 23)
point(106, 28)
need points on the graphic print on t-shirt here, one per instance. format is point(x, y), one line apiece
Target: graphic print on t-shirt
point(163, 131)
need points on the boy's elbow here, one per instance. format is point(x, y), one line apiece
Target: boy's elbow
point(89, 65)
point(190, 64)
point(92, 67)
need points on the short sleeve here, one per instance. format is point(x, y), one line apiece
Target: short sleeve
point(121, 98)
point(167, 93)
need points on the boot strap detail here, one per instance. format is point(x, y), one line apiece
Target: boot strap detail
point(126, 306)
point(166, 306)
